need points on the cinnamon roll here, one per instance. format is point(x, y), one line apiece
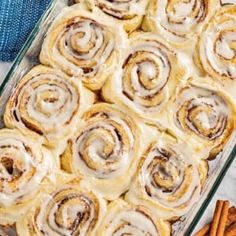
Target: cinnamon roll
point(204, 115)
point(123, 218)
point(169, 180)
point(83, 45)
point(147, 77)
point(47, 102)
point(179, 22)
point(216, 47)
point(128, 13)
point(70, 210)
point(105, 150)
point(25, 167)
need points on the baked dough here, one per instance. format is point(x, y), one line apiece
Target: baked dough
point(147, 76)
point(105, 151)
point(82, 43)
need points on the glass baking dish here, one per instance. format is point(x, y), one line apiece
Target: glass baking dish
point(28, 57)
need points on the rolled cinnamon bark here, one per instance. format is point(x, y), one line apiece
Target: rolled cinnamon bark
point(231, 215)
point(203, 231)
point(231, 231)
point(226, 218)
point(216, 217)
point(223, 219)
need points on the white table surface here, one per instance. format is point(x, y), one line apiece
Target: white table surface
point(227, 189)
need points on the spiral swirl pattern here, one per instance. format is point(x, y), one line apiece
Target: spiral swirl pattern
point(127, 13)
point(23, 166)
point(45, 102)
point(82, 44)
point(68, 211)
point(127, 219)
point(116, 141)
point(216, 49)
point(150, 72)
point(177, 21)
point(167, 180)
point(206, 114)
point(123, 10)
point(105, 149)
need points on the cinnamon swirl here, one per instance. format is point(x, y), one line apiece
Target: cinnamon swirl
point(47, 102)
point(128, 13)
point(204, 115)
point(216, 47)
point(70, 210)
point(169, 180)
point(179, 22)
point(147, 77)
point(123, 218)
point(25, 167)
point(83, 44)
point(105, 150)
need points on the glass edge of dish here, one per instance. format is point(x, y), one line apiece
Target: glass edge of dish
point(26, 45)
point(210, 194)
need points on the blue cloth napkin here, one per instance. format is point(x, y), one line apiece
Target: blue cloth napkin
point(17, 19)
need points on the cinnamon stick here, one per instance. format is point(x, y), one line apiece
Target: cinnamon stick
point(204, 231)
point(231, 216)
point(223, 219)
point(216, 217)
point(231, 231)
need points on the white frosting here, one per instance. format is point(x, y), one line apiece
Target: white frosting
point(212, 110)
point(84, 47)
point(178, 24)
point(90, 148)
point(29, 166)
point(170, 182)
point(143, 82)
point(128, 220)
point(175, 164)
point(228, 2)
point(87, 44)
point(122, 9)
point(69, 211)
point(160, 61)
point(49, 101)
point(216, 47)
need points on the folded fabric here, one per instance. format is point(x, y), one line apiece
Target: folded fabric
point(17, 19)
